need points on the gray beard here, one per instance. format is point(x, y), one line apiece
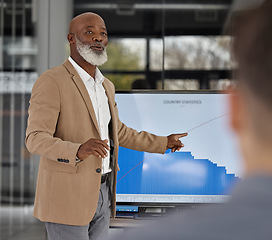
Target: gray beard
point(89, 55)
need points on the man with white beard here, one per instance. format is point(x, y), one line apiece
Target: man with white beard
point(74, 126)
point(95, 58)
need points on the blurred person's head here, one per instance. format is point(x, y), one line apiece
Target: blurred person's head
point(251, 104)
point(88, 39)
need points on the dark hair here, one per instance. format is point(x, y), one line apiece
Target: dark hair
point(252, 48)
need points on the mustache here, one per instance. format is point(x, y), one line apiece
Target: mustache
point(96, 45)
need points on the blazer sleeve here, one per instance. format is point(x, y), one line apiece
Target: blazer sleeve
point(43, 113)
point(140, 141)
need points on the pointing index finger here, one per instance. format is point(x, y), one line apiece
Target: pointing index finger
point(181, 135)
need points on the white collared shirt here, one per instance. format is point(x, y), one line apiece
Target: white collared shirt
point(100, 105)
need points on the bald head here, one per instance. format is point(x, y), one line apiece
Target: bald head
point(82, 19)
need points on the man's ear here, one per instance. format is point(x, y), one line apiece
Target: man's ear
point(237, 110)
point(71, 38)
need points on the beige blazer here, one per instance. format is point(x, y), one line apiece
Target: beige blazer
point(61, 117)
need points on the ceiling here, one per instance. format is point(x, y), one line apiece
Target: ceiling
point(143, 18)
point(157, 18)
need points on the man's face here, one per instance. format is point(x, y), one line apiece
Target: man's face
point(91, 40)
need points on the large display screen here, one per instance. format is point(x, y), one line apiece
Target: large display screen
point(204, 171)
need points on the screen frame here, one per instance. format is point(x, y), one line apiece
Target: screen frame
point(171, 204)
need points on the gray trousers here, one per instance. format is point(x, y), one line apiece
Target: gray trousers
point(97, 229)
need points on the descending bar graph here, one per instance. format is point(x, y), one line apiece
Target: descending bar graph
point(172, 173)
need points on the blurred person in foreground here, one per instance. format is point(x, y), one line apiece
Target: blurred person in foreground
point(248, 213)
point(74, 126)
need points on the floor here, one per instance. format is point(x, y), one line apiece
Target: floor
point(17, 223)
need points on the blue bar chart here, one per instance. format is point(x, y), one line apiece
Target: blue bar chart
point(172, 173)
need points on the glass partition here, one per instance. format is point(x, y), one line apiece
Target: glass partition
point(18, 57)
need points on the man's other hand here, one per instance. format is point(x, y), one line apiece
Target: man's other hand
point(95, 147)
point(174, 143)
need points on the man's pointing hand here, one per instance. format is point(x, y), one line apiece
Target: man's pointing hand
point(174, 143)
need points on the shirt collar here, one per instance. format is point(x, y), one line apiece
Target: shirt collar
point(99, 78)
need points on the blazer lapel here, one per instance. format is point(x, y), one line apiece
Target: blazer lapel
point(83, 91)
point(111, 100)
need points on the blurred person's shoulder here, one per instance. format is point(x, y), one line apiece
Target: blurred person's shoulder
point(247, 215)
